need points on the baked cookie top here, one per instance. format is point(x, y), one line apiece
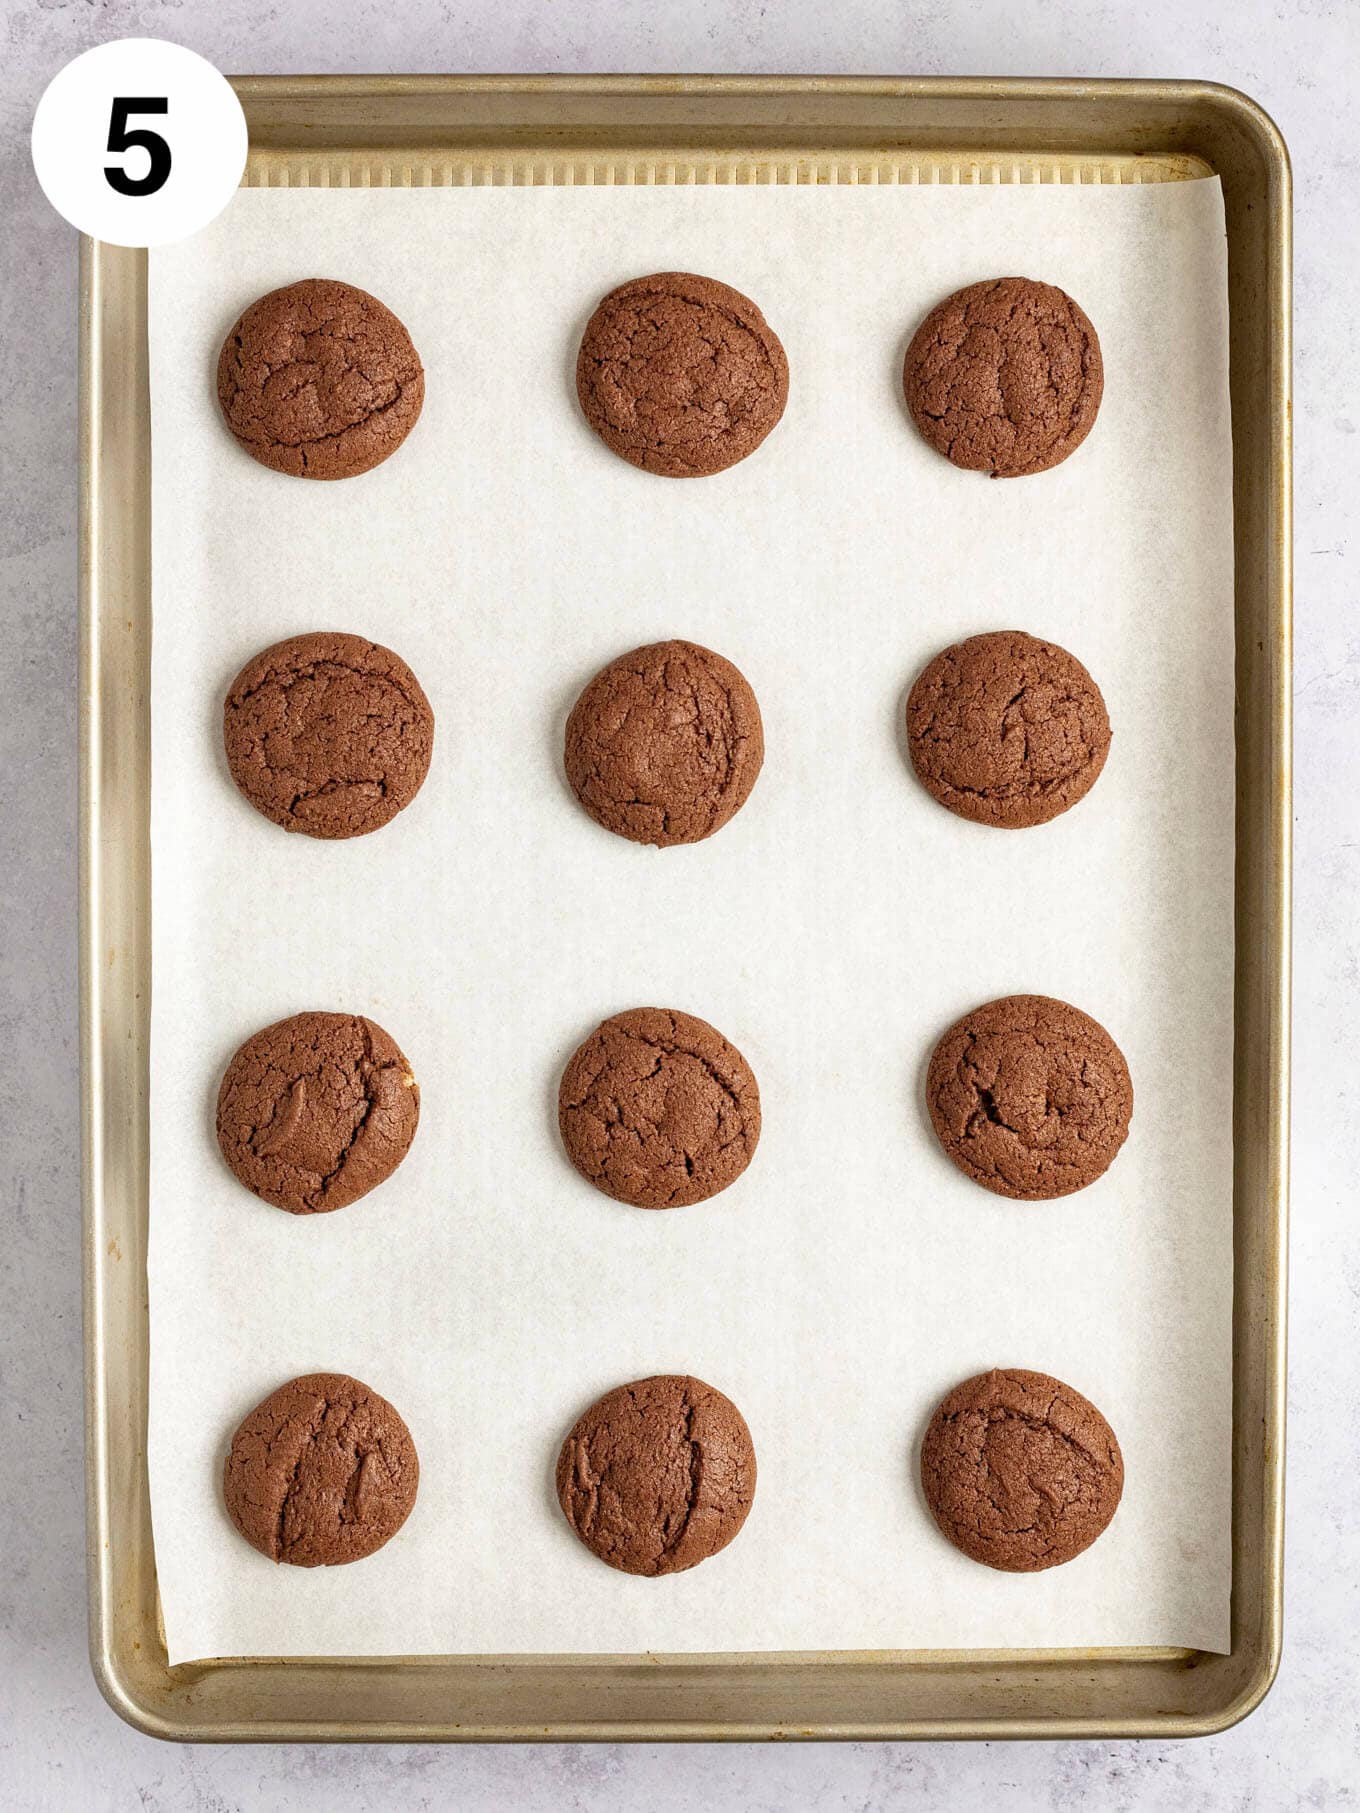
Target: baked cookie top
point(1005, 377)
point(658, 1475)
point(1007, 730)
point(664, 744)
point(657, 1109)
point(328, 734)
point(681, 375)
point(316, 1111)
point(1020, 1471)
point(322, 1472)
point(1030, 1097)
point(320, 380)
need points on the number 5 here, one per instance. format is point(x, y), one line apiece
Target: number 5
point(120, 139)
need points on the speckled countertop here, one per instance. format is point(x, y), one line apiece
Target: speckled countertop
point(60, 1747)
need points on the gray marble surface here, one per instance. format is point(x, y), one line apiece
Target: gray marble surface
point(59, 1745)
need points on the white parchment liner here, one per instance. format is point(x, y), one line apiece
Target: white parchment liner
point(832, 930)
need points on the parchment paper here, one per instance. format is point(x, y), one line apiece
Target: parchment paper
point(832, 930)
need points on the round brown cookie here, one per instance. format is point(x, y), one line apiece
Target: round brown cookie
point(1020, 1471)
point(1032, 1098)
point(316, 1111)
point(320, 380)
point(1006, 730)
point(681, 375)
point(328, 734)
point(664, 745)
point(322, 1472)
point(657, 1109)
point(1005, 377)
point(658, 1475)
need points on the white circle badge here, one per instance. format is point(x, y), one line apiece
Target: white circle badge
point(139, 142)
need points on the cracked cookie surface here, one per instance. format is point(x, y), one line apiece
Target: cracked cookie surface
point(320, 380)
point(658, 1475)
point(657, 1109)
point(1020, 1471)
point(681, 375)
point(322, 1472)
point(1007, 730)
point(1005, 377)
point(665, 744)
point(328, 734)
point(1030, 1097)
point(316, 1111)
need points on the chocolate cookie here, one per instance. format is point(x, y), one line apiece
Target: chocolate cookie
point(316, 1111)
point(1006, 730)
point(320, 380)
point(1032, 1098)
point(1005, 377)
point(328, 734)
point(1020, 1471)
point(658, 1475)
point(657, 1109)
point(681, 375)
point(664, 745)
point(324, 1471)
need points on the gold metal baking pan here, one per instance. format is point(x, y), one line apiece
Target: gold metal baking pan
point(384, 131)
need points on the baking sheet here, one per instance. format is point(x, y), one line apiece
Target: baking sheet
point(832, 930)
